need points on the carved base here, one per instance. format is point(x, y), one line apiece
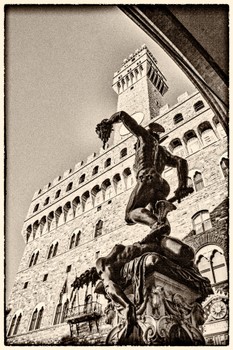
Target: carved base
point(168, 315)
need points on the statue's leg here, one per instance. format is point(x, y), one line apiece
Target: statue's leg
point(177, 251)
point(136, 211)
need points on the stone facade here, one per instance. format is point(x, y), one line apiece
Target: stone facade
point(90, 201)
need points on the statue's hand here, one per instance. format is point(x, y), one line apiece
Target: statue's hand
point(182, 191)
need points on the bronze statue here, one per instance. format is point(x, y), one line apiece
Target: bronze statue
point(147, 205)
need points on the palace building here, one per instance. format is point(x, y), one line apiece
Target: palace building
point(79, 216)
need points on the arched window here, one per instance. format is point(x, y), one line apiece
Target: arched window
point(118, 183)
point(192, 141)
point(225, 166)
point(201, 221)
point(198, 105)
point(82, 178)
point(39, 318)
point(98, 228)
point(17, 324)
point(57, 195)
point(107, 162)
point(123, 152)
point(33, 320)
point(42, 224)
point(86, 201)
point(75, 238)
point(34, 258)
point(219, 127)
point(64, 311)
point(198, 181)
point(31, 260)
point(107, 189)
point(46, 202)
point(128, 177)
point(76, 206)
point(96, 195)
point(72, 241)
point(55, 249)
point(35, 227)
point(28, 232)
point(178, 118)
point(50, 220)
point(36, 208)
point(12, 326)
point(50, 251)
point(177, 148)
point(211, 263)
point(67, 211)
point(205, 269)
point(58, 314)
point(219, 267)
point(58, 217)
point(69, 187)
point(207, 133)
point(95, 170)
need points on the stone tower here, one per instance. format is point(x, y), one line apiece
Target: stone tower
point(140, 87)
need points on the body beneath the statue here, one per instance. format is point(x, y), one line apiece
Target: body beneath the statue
point(147, 205)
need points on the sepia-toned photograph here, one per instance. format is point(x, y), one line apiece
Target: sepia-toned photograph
point(116, 174)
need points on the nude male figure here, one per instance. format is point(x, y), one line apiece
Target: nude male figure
point(147, 205)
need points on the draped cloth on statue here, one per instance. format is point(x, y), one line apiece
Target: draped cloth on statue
point(137, 269)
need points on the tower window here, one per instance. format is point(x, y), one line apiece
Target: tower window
point(225, 166)
point(36, 208)
point(34, 258)
point(107, 162)
point(95, 170)
point(123, 152)
point(198, 181)
point(25, 285)
point(45, 277)
point(53, 250)
point(99, 228)
point(82, 178)
point(201, 221)
point(46, 202)
point(69, 187)
point(198, 105)
point(68, 269)
point(57, 195)
point(178, 118)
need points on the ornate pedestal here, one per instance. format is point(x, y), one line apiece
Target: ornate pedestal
point(167, 299)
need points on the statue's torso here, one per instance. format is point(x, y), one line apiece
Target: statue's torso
point(148, 154)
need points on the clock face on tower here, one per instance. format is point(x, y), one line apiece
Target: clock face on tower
point(218, 309)
point(138, 116)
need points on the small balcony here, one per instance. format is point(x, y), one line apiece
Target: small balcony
point(84, 313)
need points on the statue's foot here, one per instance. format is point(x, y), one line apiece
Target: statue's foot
point(158, 230)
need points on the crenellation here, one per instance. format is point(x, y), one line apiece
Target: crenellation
point(67, 173)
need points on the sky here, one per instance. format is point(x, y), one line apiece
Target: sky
point(60, 63)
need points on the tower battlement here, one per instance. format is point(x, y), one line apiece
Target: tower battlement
point(139, 64)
